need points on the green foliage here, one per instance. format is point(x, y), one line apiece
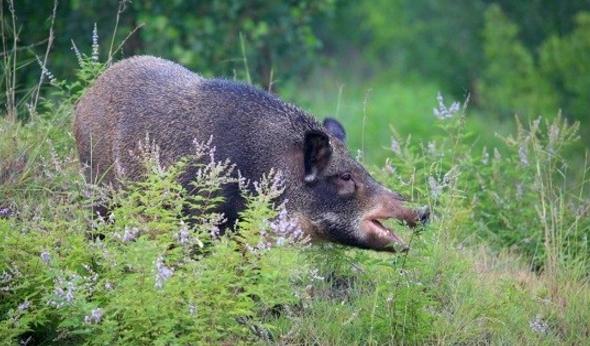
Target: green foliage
point(510, 82)
point(563, 59)
point(504, 261)
point(433, 39)
point(151, 273)
point(143, 275)
point(203, 35)
point(509, 56)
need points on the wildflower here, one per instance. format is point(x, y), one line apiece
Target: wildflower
point(451, 176)
point(582, 211)
point(523, 154)
point(389, 167)
point(485, 156)
point(435, 187)
point(519, 191)
point(63, 292)
point(497, 155)
point(192, 309)
point(129, 234)
point(218, 171)
point(359, 155)
point(431, 148)
point(287, 229)
point(535, 125)
point(45, 257)
point(537, 325)
point(5, 212)
point(77, 53)
point(553, 137)
point(7, 277)
point(271, 185)
point(95, 44)
point(108, 286)
point(183, 235)
point(243, 183)
point(25, 342)
point(163, 273)
point(214, 231)
point(441, 111)
point(314, 274)
point(24, 306)
point(395, 147)
point(94, 317)
point(45, 72)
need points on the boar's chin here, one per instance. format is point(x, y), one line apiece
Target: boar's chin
point(378, 237)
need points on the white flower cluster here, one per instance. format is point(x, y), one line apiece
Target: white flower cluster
point(95, 44)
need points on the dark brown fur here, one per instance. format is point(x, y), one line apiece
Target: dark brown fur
point(255, 130)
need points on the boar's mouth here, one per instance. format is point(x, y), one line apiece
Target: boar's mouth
point(379, 237)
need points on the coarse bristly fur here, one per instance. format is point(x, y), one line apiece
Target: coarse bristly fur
point(333, 196)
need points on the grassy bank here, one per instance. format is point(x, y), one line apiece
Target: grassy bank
point(504, 261)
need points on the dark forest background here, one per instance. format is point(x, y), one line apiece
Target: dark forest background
point(523, 57)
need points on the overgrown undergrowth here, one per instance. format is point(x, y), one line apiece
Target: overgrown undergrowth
point(505, 259)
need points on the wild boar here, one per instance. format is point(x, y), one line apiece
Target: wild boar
point(331, 195)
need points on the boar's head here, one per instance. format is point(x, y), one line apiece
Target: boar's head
point(339, 201)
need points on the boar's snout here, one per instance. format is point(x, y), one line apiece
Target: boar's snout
point(389, 205)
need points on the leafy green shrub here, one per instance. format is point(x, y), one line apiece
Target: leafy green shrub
point(156, 270)
point(148, 273)
point(205, 36)
point(522, 194)
point(510, 81)
point(563, 59)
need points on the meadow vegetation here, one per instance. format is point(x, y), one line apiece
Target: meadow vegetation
point(504, 260)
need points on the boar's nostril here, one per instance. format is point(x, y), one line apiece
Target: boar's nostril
point(424, 214)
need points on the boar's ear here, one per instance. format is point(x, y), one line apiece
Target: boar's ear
point(335, 128)
point(316, 154)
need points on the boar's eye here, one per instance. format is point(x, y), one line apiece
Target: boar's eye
point(345, 184)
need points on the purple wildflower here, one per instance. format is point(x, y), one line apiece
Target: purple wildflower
point(538, 325)
point(442, 112)
point(183, 236)
point(5, 212)
point(94, 317)
point(45, 257)
point(63, 292)
point(286, 229)
point(395, 146)
point(24, 306)
point(523, 154)
point(163, 273)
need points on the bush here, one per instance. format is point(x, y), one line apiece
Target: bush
point(510, 81)
point(563, 62)
point(151, 273)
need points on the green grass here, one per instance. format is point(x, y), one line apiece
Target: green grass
point(374, 110)
point(498, 264)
